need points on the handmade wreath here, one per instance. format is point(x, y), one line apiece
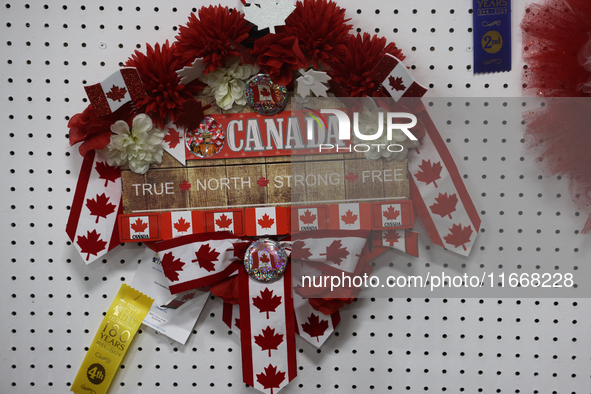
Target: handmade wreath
point(226, 61)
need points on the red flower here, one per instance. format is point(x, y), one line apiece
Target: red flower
point(321, 29)
point(157, 70)
point(95, 131)
point(361, 55)
point(280, 55)
point(208, 36)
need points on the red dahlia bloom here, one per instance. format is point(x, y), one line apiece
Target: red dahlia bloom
point(157, 70)
point(280, 55)
point(321, 29)
point(207, 36)
point(361, 55)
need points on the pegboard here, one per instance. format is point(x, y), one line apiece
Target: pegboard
point(52, 303)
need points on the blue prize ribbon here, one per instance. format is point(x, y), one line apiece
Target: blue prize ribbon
point(492, 36)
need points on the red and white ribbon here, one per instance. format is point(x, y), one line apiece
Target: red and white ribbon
point(265, 221)
point(395, 79)
point(198, 260)
point(351, 216)
point(267, 332)
point(440, 196)
point(92, 224)
point(312, 325)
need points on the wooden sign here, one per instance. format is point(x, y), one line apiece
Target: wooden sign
point(226, 182)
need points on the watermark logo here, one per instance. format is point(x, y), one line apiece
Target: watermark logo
point(402, 121)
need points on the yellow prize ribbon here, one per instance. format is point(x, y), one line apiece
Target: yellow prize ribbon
point(112, 340)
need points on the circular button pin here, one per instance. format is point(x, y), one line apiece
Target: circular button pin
point(265, 260)
point(264, 96)
point(207, 140)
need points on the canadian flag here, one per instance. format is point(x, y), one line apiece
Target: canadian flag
point(139, 228)
point(395, 79)
point(265, 221)
point(263, 93)
point(404, 240)
point(225, 220)
point(179, 223)
point(394, 214)
point(119, 88)
point(92, 224)
point(351, 216)
point(308, 218)
point(174, 142)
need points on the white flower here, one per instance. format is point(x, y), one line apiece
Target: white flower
point(369, 125)
point(139, 147)
point(227, 85)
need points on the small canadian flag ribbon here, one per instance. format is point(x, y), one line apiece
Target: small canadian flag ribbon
point(308, 218)
point(267, 332)
point(404, 240)
point(440, 196)
point(92, 224)
point(119, 88)
point(231, 220)
point(178, 223)
point(350, 216)
point(139, 228)
point(395, 79)
point(265, 221)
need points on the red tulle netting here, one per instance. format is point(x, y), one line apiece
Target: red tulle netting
point(557, 49)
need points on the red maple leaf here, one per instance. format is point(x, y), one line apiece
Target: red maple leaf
point(269, 340)
point(91, 243)
point(116, 93)
point(188, 296)
point(336, 252)
point(350, 177)
point(184, 185)
point(173, 138)
point(391, 237)
point(262, 181)
point(271, 378)
point(264, 259)
point(266, 302)
point(240, 249)
point(139, 226)
point(391, 213)
point(182, 225)
point(107, 172)
point(266, 221)
point(191, 114)
point(429, 172)
point(171, 266)
point(265, 92)
point(205, 257)
point(223, 221)
point(315, 327)
point(396, 83)
point(458, 236)
point(100, 206)
point(307, 217)
point(349, 217)
point(444, 205)
point(298, 251)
